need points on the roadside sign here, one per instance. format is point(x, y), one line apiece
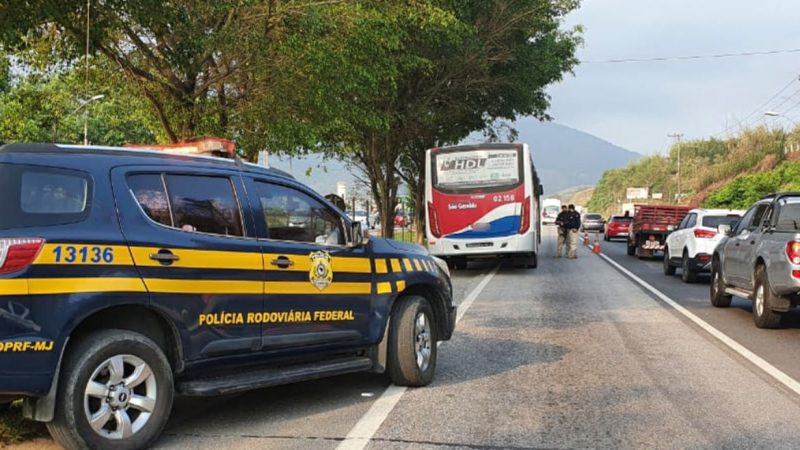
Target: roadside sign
point(637, 193)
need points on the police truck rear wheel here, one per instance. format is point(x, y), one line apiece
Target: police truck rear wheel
point(412, 342)
point(115, 392)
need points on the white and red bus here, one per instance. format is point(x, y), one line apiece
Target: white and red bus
point(482, 201)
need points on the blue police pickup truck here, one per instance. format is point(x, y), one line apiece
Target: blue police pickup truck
point(131, 276)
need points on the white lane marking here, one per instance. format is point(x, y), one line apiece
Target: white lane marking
point(363, 431)
point(759, 362)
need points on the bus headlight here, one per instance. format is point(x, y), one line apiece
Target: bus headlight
point(442, 265)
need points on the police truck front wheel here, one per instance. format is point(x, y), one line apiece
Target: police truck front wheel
point(115, 392)
point(412, 342)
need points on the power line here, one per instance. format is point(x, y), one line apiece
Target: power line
point(688, 57)
point(761, 107)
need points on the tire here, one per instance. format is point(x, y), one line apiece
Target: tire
point(631, 248)
point(92, 358)
point(534, 261)
point(688, 275)
point(410, 341)
point(718, 296)
point(763, 315)
point(669, 269)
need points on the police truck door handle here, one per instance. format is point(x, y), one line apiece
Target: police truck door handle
point(165, 257)
point(282, 262)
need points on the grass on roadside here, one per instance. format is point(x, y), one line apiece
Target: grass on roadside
point(15, 429)
point(405, 235)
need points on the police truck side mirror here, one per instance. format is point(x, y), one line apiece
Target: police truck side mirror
point(356, 237)
point(724, 229)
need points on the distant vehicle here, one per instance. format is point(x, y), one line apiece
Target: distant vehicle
point(692, 243)
point(359, 216)
point(401, 220)
point(617, 226)
point(550, 209)
point(593, 222)
point(760, 259)
point(483, 201)
point(651, 224)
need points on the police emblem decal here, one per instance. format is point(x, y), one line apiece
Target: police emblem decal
point(320, 273)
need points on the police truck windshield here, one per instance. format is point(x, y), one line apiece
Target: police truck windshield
point(477, 169)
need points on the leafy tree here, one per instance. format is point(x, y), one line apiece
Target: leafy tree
point(494, 62)
point(41, 108)
point(193, 61)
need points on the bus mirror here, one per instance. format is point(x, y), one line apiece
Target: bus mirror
point(541, 189)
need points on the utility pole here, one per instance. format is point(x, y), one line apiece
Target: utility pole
point(678, 137)
point(86, 77)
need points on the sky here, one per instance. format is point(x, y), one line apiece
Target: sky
point(635, 105)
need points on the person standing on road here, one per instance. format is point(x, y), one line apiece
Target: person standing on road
point(573, 224)
point(561, 221)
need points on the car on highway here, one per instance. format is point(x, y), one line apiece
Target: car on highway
point(130, 276)
point(593, 222)
point(692, 243)
point(359, 216)
point(617, 227)
point(759, 259)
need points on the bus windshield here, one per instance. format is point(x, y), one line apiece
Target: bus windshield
point(477, 169)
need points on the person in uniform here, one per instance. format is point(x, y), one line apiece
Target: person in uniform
point(561, 221)
point(573, 224)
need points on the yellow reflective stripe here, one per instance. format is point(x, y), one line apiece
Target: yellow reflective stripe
point(407, 265)
point(356, 265)
point(401, 286)
point(14, 287)
point(200, 259)
point(427, 264)
point(122, 256)
point(385, 288)
point(220, 287)
point(418, 265)
point(380, 266)
point(396, 266)
point(304, 287)
point(302, 263)
point(44, 286)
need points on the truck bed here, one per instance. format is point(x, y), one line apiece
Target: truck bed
point(657, 217)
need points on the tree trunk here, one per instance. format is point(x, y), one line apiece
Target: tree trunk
point(378, 163)
point(420, 208)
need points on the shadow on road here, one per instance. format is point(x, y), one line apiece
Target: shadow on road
point(470, 357)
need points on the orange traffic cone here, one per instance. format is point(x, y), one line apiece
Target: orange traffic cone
point(596, 247)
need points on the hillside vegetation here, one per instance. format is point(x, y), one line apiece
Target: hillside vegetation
point(723, 173)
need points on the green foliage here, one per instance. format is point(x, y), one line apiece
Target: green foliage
point(15, 429)
point(743, 191)
point(38, 108)
point(705, 164)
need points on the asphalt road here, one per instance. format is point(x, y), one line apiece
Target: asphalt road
point(570, 355)
point(780, 348)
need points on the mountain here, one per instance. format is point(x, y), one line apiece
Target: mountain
point(564, 158)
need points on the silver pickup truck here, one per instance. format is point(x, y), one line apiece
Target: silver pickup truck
point(760, 259)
